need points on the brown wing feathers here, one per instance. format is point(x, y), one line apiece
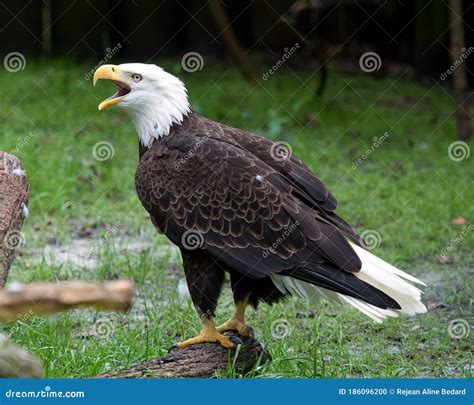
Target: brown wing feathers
point(306, 186)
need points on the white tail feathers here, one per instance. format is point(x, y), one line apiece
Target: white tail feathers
point(376, 272)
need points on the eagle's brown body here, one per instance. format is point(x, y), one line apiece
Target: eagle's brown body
point(238, 203)
point(251, 214)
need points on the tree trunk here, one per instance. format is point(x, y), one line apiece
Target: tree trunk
point(14, 191)
point(318, 51)
point(461, 88)
point(198, 361)
point(231, 41)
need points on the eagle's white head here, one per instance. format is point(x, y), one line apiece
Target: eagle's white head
point(153, 98)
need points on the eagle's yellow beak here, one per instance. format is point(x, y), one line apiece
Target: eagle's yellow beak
point(112, 73)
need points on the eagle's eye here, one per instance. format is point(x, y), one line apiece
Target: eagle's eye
point(136, 77)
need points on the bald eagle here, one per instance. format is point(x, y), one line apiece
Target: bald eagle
point(235, 204)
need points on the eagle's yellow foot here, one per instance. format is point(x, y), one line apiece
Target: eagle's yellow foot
point(237, 325)
point(224, 341)
point(210, 334)
point(237, 321)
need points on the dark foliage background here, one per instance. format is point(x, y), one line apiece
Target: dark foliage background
point(412, 32)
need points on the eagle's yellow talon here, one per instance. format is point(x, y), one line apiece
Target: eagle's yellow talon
point(209, 334)
point(237, 321)
point(235, 325)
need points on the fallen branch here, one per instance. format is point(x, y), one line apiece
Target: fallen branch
point(198, 361)
point(14, 191)
point(47, 298)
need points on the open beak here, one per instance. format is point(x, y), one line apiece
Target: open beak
point(112, 73)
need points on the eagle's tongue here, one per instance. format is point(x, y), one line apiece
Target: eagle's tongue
point(122, 91)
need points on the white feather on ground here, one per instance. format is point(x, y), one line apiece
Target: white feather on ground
point(376, 272)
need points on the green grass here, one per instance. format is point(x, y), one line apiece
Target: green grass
point(408, 190)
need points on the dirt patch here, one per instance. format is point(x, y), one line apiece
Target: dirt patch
point(85, 252)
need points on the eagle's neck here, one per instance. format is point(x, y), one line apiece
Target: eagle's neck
point(154, 117)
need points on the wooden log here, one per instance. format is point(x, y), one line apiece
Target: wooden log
point(198, 361)
point(47, 298)
point(14, 192)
